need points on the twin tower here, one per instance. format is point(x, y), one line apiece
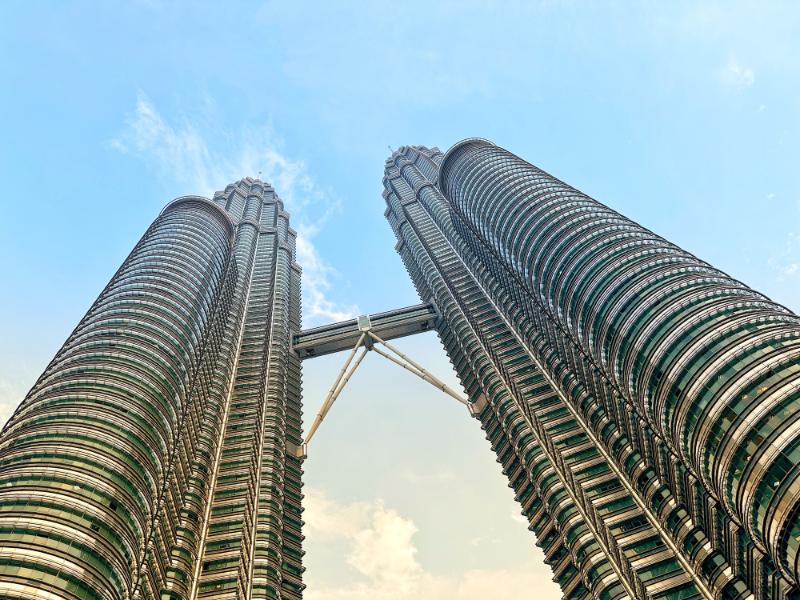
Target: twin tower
point(644, 406)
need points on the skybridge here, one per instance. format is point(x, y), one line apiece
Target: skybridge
point(367, 333)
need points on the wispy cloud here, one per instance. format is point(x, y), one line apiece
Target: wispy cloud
point(16, 379)
point(518, 518)
point(187, 152)
point(787, 261)
point(379, 546)
point(11, 392)
point(737, 75)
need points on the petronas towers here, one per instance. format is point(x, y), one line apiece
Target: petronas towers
point(643, 405)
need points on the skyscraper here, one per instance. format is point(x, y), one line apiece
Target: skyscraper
point(643, 404)
point(155, 455)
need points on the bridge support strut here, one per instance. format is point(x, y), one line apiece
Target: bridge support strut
point(368, 340)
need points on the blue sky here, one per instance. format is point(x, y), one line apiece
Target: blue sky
point(684, 116)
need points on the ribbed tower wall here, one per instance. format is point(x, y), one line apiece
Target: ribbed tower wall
point(595, 537)
point(706, 364)
point(508, 219)
point(169, 406)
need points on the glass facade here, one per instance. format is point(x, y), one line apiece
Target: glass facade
point(150, 458)
point(643, 404)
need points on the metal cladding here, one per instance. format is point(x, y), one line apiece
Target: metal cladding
point(643, 404)
point(390, 325)
point(149, 459)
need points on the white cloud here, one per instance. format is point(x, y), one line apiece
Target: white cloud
point(791, 268)
point(787, 262)
point(383, 551)
point(12, 391)
point(185, 154)
point(379, 548)
point(737, 75)
point(317, 276)
point(518, 518)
